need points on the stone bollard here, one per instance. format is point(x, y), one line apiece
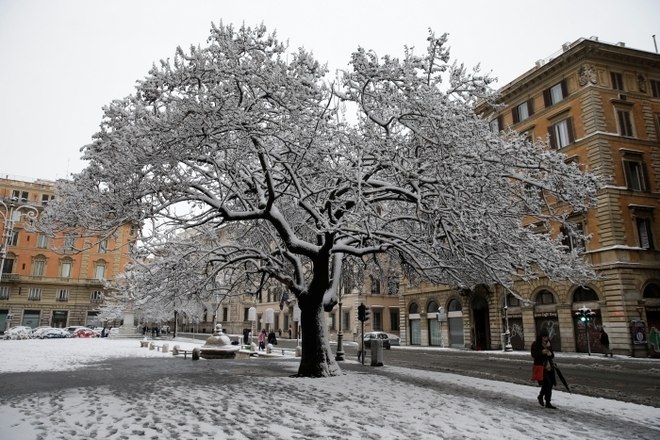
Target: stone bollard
point(269, 348)
point(195, 354)
point(298, 351)
point(166, 348)
point(175, 350)
point(152, 346)
point(253, 346)
point(144, 343)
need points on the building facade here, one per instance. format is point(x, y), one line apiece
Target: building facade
point(53, 281)
point(599, 104)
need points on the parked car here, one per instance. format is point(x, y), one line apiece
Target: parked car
point(36, 332)
point(18, 332)
point(377, 335)
point(54, 333)
point(84, 332)
point(73, 328)
point(394, 339)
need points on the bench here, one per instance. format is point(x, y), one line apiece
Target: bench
point(176, 351)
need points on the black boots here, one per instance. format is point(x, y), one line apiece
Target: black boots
point(549, 406)
point(540, 398)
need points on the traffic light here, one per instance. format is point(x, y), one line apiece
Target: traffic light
point(363, 313)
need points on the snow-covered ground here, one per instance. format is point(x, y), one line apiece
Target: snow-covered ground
point(383, 403)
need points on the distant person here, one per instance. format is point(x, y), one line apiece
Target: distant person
point(605, 342)
point(271, 338)
point(543, 371)
point(262, 339)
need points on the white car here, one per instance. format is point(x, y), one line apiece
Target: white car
point(18, 332)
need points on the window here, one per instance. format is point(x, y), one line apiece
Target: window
point(375, 285)
point(413, 309)
point(633, 168)
point(571, 240)
point(454, 306)
point(45, 198)
point(8, 266)
point(377, 319)
point(561, 134)
point(522, 111)
point(393, 285)
point(42, 241)
point(62, 295)
point(13, 238)
point(655, 88)
point(103, 246)
point(644, 225)
point(99, 271)
point(246, 314)
point(34, 294)
point(69, 241)
point(584, 294)
point(555, 94)
point(617, 81)
point(39, 266)
point(624, 120)
point(394, 320)
point(544, 297)
point(225, 314)
point(512, 301)
point(496, 124)
point(4, 292)
point(65, 268)
point(96, 297)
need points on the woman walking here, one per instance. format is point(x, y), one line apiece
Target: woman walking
point(543, 371)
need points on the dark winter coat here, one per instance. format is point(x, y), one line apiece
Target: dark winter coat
point(604, 339)
point(537, 353)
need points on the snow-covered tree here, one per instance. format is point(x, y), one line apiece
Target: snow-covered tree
point(242, 135)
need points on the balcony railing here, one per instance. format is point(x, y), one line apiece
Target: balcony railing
point(10, 277)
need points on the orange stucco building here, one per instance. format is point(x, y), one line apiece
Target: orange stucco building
point(57, 281)
point(599, 104)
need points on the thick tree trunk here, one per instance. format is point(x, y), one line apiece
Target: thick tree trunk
point(317, 359)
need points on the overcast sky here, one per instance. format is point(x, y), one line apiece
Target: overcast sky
point(61, 61)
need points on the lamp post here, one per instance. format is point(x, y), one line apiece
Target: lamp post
point(586, 315)
point(12, 214)
point(339, 356)
point(507, 331)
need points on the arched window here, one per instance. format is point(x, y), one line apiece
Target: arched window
point(652, 291)
point(432, 307)
point(454, 306)
point(39, 266)
point(512, 301)
point(584, 294)
point(544, 297)
point(413, 309)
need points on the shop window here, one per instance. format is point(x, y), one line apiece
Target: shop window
point(512, 301)
point(413, 309)
point(454, 306)
point(432, 307)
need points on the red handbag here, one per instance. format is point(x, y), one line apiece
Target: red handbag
point(537, 372)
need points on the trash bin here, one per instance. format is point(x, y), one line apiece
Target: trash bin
point(376, 352)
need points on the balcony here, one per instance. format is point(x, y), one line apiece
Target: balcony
point(10, 278)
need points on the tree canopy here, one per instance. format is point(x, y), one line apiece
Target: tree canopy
point(301, 173)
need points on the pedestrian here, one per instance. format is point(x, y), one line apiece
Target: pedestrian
point(262, 339)
point(605, 342)
point(271, 337)
point(543, 370)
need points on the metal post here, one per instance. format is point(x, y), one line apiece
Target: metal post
point(339, 356)
point(586, 329)
point(362, 343)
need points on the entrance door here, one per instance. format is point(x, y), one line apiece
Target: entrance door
point(481, 323)
point(31, 318)
point(415, 332)
point(59, 318)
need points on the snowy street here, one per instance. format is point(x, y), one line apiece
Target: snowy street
point(113, 389)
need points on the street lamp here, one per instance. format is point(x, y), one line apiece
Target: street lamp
point(339, 356)
point(586, 315)
point(507, 331)
point(12, 214)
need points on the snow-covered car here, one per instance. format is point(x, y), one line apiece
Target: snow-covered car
point(368, 337)
point(54, 333)
point(84, 332)
point(18, 332)
point(36, 332)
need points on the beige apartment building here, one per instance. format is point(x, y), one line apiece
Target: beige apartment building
point(57, 280)
point(599, 104)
